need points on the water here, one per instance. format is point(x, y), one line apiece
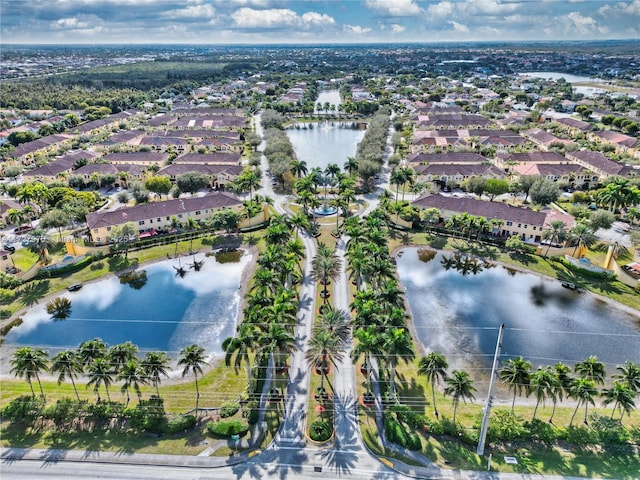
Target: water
point(459, 315)
point(166, 314)
point(325, 143)
point(558, 75)
point(331, 96)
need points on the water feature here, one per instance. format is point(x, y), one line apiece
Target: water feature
point(164, 312)
point(325, 210)
point(330, 96)
point(322, 143)
point(558, 75)
point(457, 307)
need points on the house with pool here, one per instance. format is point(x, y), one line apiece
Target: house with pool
point(150, 217)
point(524, 222)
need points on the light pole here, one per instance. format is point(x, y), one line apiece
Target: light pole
point(487, 408)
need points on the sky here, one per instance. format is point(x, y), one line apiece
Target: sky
point(314, 21)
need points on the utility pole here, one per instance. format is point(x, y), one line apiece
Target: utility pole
point(487, 408)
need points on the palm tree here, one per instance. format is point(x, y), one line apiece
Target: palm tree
point(155, 364)
point(100, 373)
point(556, 232)
point(40, 244)
point(15, 216)
point(516, 374)
point(121, 354)
point(397, 178)
point(28, 362)
point(192, 358)
point(630, 375)
point(351, 166)
point(621, 396)
point(335, 322)
point(563, 373)
point(591, 369)
point(398, 345)
point(67, 364)
point(369, 345)
point(583, 390)
point(325, 268)
point(323, 348)
point(59, 308)
point(433, 366)
point(133, 375)
point(241, 345)
point(276, 341)
point(544, 384)
point(581, 236)
point(299, 168)
point(91, 350)
point(459, 386)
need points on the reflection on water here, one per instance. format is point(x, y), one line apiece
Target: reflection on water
point(169, 313)
point(136, 279)
point(458, 311)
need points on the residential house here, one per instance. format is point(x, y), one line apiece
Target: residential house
point(59, 166)
point(153, 216)
point(455, 174)
point(543, 138)
point(623, 143)
point(159, 143)
point(137, 158)
point(526, 223)
point(210, 158)
point(601, 166)
point(221, 175)
point(505, 161)
point(27, 152)
point(572, 174)
point(446, 157)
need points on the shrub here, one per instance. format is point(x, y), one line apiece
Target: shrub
point(149, 415)
point(64, 411)
point(7, 295)
point(229, 409)
point(96, 265)
point(580, 436)
point(180, 423)
point(397, 433)
point(5, 313)
point(609, 431)
point(541, 431)
point(106, 411)
point(25, 407)
point(320, 431)
point(506, 426)
point(226, 428)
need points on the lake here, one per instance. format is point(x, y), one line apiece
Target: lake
point(459, 315)
point(166, 314)
point(558, 75)
point(322, 143)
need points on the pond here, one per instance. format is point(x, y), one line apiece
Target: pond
point(558, 75)
point(322, 143)
point(157, 308)
point(459, 303)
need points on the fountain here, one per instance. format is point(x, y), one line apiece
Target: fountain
point(325, 210)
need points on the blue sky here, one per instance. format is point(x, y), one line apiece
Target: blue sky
point(311, 21)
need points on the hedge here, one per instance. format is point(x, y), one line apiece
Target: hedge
point(226, 428)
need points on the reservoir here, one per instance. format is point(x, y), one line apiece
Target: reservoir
point(558, 75)
point(458, 312)
point(166, 313)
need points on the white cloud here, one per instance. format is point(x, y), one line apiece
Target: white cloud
point(194, 11)
point(314, 18)
point(580, 20)
point(442, 9)
point(394, 8)
point(356, 29)
point(395, 28)
point(69, 23)
point(459, 27)
point(272, 18)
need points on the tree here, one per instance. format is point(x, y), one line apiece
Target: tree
point(132, 375)
point(601, 219)
point(67, 364)
point(369, 345)
point(495, 186)
point(581, 236)
point(192, 359)
point(323, 349)
point(245, 341)
point(59, 308)
point(28, 362)
point(433, 366)
point(276, 340)
point(191, 182)
point(555, 233)
point(621, 396)
point(544, 192)
point(583, 390)
point(591, 369)
point(155, 364)
point(325, 268)
point(630, 375)
point(459, 387)
point(40, 244)
point(91, 350)
point(545, 385)
point(160, 185)
point(336, 322)
point(515, 373)
point(397, 343)
point(100, 372)
point(55, 218)
point(121, 354)
point(124, 234)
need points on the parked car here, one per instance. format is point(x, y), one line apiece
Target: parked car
point(74, 287)
point(10, 248)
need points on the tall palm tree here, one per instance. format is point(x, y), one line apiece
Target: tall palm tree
point(583, 390)
point(192, 359)
point(369, 345)
point(545, 385)
point(351, 166)
point(591, 369)
point(433, 366)
point(563, 373)
point(100, 372)
point(399, 346)
point(629, 374)
point(245, 341)
point(336, 322)
point(276, 341)
point(28, 362)
point(323, 349)
point(397, 178)
point(325, 268)
point(621, 396)
point(581, 236)
point(91, 350)
point(516, 374)
point(59, 308)
point(67, 364)
point(556, 232)
point(40, 244)
point(133, 375)
point(155, 364)
point(121, 354)
point(459, 387)
point(299, 168)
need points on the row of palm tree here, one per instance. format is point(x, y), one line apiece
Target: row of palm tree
point(101, 365)
point(380, 319)
point(269, 318)
point(580, 236)
point(556, 383)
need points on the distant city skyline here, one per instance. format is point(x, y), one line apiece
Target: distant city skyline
point(313, 22)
